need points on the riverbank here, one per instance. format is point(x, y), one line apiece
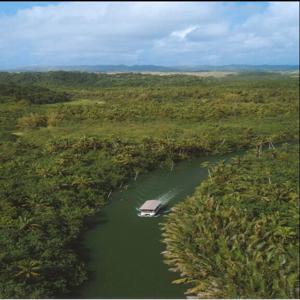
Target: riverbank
point(123, 243)
point(237, 235)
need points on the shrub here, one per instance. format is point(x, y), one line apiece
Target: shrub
point(32, 121)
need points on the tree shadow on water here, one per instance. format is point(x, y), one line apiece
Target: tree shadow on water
point(84, 253)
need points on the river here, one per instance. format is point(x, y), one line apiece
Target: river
point(124, 250)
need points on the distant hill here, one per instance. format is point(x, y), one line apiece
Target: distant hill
point(154, 68)
point(99, 68)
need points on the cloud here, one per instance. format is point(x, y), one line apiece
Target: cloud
point(164, 33)
point(181, 34)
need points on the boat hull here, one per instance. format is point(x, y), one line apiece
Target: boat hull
point(148, 214)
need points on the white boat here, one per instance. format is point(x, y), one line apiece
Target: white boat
point(150, 208)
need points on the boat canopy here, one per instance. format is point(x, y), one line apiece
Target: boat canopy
point(151, 205)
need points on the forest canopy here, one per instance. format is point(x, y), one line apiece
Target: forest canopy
point(68, 139)
point(237, 236)
point(30, 93)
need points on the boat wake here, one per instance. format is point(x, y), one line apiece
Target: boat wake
point(167, 197)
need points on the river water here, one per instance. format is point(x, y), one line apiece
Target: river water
point(124, 250)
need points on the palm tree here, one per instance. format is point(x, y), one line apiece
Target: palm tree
point(29, 269)
point(82, 181)
point(26, 221)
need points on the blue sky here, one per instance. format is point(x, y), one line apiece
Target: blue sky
point(161, 33)
point(9, 8)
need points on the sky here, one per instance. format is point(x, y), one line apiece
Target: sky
point(159, 33)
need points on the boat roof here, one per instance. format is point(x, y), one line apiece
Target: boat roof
point(150, 205)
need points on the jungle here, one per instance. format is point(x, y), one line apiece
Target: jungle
point(69, 139)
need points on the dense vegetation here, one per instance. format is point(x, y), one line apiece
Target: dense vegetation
point(59, 162)
point(33, 94)
point(237, 236)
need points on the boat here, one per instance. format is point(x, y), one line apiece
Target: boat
point(150, 208)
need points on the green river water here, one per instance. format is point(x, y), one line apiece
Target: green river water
point(124, 250)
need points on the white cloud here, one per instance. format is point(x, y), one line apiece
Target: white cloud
point(181, 34)
point(145, 32)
